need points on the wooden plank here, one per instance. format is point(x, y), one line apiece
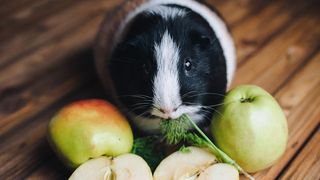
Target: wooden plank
point(21, 153)
point(40, 61)
point(53, 27)
point(12, 5)
point(36, 152)
point(282, 56)
point(306, 80)
point(51, 170)
point(301, 106)
point(307, 163)
point(229, 6)
point(238, 10)
point(29, 15)
point(36, 95)
point(259, 28)
point(22, 102)
point(57, 82)
point(30, 12)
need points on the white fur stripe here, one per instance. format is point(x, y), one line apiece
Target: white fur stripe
point(167, 12)
point(215, 22)
point(166, 82)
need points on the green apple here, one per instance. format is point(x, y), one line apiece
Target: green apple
point(251, 128)
point(88, 129)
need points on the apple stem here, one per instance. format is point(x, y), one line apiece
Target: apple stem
point(245, 100)
point(222, 157)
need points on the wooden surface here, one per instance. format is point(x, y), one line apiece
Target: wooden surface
point(46, 62)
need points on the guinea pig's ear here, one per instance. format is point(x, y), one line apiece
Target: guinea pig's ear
point(200, 40)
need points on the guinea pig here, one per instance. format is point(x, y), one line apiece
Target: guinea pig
point(172, 57)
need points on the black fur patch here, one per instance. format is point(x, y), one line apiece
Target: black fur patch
point(133, 66)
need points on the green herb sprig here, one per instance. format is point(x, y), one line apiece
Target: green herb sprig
point(176, 131)
point(147, 148)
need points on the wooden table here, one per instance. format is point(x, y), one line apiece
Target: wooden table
point(46, 62)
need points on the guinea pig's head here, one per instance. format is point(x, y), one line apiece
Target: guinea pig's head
point(169, 62)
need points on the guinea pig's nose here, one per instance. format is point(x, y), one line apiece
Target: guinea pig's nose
point(166, 110)
point(166, 113)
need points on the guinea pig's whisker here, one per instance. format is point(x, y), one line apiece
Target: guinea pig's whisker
point(224, 103)
point(136, 96)
point(134, 113)
point(204, 110)
point(139, 104)
point(193, 104)
point(213, 106)
point(207, 117)
point(142, 114)
point(202, 94)
point(138, 107)
point(217, 112)
point(187, 93)
point(143, 101)
point(142, 95)
point(204, 107)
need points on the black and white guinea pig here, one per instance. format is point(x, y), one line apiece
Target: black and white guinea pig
point(174, 57)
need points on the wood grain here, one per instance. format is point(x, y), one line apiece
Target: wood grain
point(303, 112)
point(33, 98)
point(259, 28)
point(24, 73)
point(283, 54)
point(302, 83)
point(13, 5)
point(307, 164)
point(58, 81)
point(236, 11)
point(53, 28)
point(46, 62)
point(23, 153)
point(57, 51)
point(29, 14)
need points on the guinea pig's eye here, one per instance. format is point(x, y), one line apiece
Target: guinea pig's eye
point(187, 64)
point(146, 68)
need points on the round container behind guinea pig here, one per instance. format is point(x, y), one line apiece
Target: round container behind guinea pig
point(115, 29)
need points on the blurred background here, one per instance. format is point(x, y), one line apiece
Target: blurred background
point(46, 61)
